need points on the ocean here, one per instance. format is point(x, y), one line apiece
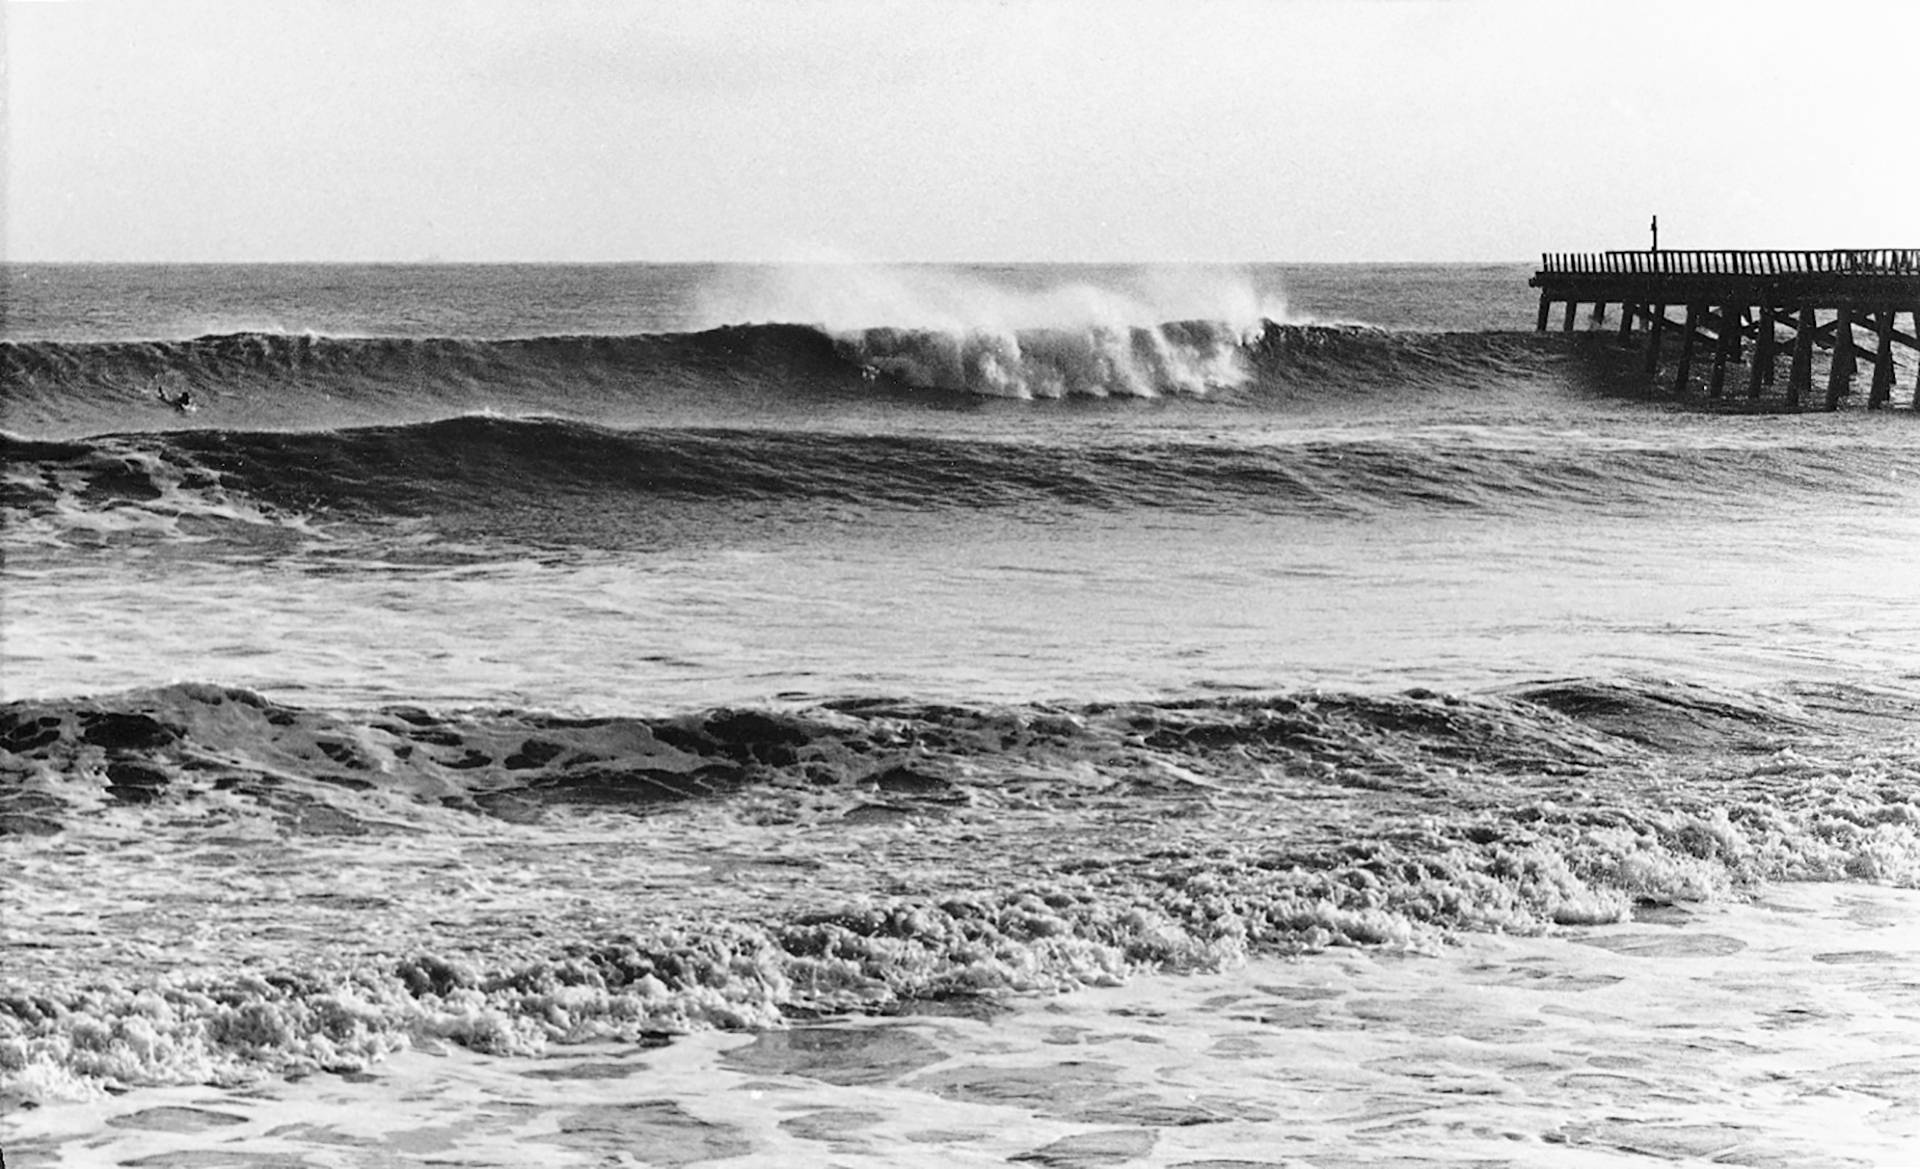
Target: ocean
point(919, 714)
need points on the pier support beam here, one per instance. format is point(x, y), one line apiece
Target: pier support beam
point(1840, 373)
point(1725, 346)
point(1882, 392)
point(1566, 324)
point(1546, 303)
point(1686, 349)
point(1626, 321)
point(1800, 376)
point(1762, 370)
point(1772, 365)
point(1655, 326)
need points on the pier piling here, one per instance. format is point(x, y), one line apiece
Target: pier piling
point(1725, 348)
point(1762, 353)
point(1840, 371)
point(1800, 378)
point(1882, 391)
point(1686, 349)
point(1734, 296)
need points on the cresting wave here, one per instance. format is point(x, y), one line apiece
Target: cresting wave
point(504, 879)
point(560, 483)
point(278, 381)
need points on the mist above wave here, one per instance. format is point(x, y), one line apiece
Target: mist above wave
point(1139, 333)
point(848, 298)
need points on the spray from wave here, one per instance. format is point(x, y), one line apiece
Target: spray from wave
point(1148, 333)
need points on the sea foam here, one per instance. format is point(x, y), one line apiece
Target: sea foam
point(508, 880)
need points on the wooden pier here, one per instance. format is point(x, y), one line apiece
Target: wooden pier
point(1766, 304)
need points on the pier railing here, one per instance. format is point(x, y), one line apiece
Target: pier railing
point(1839, 262)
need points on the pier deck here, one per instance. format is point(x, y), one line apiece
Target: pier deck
point(1731, 298)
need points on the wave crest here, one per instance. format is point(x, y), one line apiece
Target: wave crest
point(1094, 361)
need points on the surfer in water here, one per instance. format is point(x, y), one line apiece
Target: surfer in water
point(182, 401)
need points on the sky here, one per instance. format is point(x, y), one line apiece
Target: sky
point(967, 130)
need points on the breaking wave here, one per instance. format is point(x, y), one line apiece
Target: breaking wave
point(271, 381)
point(505, 879)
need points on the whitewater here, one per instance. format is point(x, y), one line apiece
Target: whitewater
point(1243, 715)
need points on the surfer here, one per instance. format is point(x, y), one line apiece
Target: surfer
point(182, 401)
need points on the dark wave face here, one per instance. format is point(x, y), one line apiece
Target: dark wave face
point(277, 381)
point(258, 381)
point(546, 482)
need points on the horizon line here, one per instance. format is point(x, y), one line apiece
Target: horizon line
point(769, 263)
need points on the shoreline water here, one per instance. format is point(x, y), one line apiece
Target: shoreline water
point(211, 885)
point(1779, 1030)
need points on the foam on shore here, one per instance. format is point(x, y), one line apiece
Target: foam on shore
point(1780, 1031)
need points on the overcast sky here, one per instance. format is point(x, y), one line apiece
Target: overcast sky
point(967, 130)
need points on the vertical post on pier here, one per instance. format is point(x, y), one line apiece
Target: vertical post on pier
point(1566, 325)
point(1882, 391)
point(1916, 376)
point(1733, 320)
point(1655, 325)
point(1771, 365)
point(1762, 353)
point(1723, 348)
point(1599, 316)
point(1800, 375)
point(1686, 349)
point(1627, 309)
point(1546, 302)
point(1840, 373)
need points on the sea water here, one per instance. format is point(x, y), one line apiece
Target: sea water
point(512, 662)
